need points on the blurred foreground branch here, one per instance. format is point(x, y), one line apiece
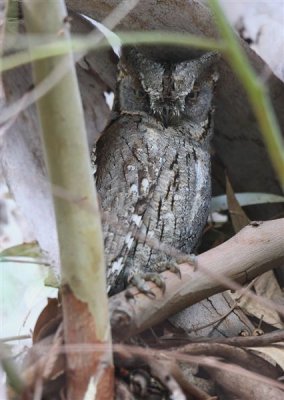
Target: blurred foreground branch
point(64, 137)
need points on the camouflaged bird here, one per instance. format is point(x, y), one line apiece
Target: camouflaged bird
point(153, 165)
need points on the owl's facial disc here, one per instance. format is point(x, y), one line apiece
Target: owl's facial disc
point(174, 93)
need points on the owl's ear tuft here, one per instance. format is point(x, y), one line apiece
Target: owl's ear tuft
point(207, 59)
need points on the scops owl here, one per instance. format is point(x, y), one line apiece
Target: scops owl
point(153, 163)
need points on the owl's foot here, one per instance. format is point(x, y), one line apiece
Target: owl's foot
point(140, 281)
point(172, 264)
point(169, 266)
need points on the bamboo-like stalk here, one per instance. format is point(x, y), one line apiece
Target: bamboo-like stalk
point(84, 297)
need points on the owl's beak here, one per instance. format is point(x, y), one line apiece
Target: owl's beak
point(166, 115)
point(169, 116)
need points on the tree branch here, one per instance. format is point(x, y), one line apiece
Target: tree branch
point(254, 250)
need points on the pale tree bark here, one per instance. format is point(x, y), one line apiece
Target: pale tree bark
point(251, 252)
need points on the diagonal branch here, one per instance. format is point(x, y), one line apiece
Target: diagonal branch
point(255, 249)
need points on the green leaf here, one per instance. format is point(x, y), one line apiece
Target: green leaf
point(31, 249)
point(238, 216)
point(52, 280)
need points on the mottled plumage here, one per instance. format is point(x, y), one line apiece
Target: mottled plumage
point(153, 162)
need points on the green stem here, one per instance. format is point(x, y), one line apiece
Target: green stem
point(256, 92)
point(79, 43)
point(13, 376)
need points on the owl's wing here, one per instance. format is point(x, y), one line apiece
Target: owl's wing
point(125, 183)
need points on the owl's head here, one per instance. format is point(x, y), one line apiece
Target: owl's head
point(170, 91)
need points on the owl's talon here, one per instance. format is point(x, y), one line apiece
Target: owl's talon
point(176, 270)
point(157, 279)
point(188, 259)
